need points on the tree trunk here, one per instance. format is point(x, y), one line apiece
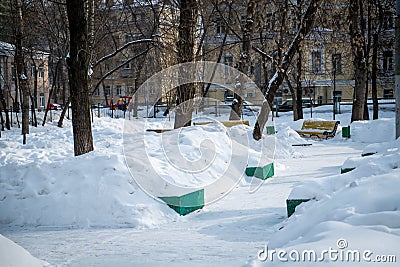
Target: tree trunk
point(21, 75)
point(357, 40)
point(299, 89)
point(35, 83)
point(293, 95)
point(186, 44)
point(53, 86)
point(304, 28)
point(62, 116)
point(78, 63)
point(244, 61)
point(374, 74)
point(4, 104)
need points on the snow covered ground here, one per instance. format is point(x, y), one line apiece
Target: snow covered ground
point(88, 211)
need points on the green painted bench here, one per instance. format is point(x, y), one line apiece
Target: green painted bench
point(187, 203)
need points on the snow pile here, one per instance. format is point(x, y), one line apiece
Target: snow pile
point(12, 254)
point(285, 139)
point(42, 184)
point(383, 131)
point(353, 206)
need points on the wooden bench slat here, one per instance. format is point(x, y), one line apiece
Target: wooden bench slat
point(319, 128)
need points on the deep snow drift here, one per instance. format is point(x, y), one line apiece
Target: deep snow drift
point(42, 184)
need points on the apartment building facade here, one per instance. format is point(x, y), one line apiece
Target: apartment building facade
point(36, 65)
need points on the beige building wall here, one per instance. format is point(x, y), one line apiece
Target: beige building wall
point(8, 81)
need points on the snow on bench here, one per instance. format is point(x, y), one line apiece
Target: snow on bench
point(319, 128)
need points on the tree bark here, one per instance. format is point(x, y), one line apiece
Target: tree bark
point(244, 60)
point(4, 104)
point(186, 46)
point(374, 74)
point(78, 63)
point(304, 28)
point(299, 88)
point(293, 95)
point(358, 45)
point(62, 116)
point(21, 74)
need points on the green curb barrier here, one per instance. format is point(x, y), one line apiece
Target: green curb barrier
point(368, 154)
point(291, 205)
point(187, 203)
point(346, 132)
point(270, 130)
point(261, 172)
point(344, 170)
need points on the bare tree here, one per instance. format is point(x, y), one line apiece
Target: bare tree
point(305, 27)
point(244, 60)
point(358, 46)
point(186, 46)
point(78, 63)
point(21, 76)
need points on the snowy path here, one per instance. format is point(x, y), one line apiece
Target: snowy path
point(225, 233)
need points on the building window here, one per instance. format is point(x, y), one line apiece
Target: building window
point(220, 27)
point(337, 95)
point(107, 90)
point(250, 94)
point(129, 89)
point(41, 71)
point(33, 71)
point(118, 90)
point(337, 63)
point(13, 71)
point(128, 38)
point(388, 93)
point(228, 61)
point(387, 60)
point(96, 92)
point(134, 17)
point(127, 66)
point(42, 100)
point(388, 21)
point(316, 61)
point(142, 16)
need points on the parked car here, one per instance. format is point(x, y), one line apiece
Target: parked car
point(53, 106)
point(287, 105)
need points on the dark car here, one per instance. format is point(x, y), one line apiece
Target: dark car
point(287, 105)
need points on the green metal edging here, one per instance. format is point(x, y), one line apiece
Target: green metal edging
point(270, 130)
point(346, 132)
point(261, 172)
point(344, 170)
point(368, 154)
point(187, 203)
point(291, 205)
